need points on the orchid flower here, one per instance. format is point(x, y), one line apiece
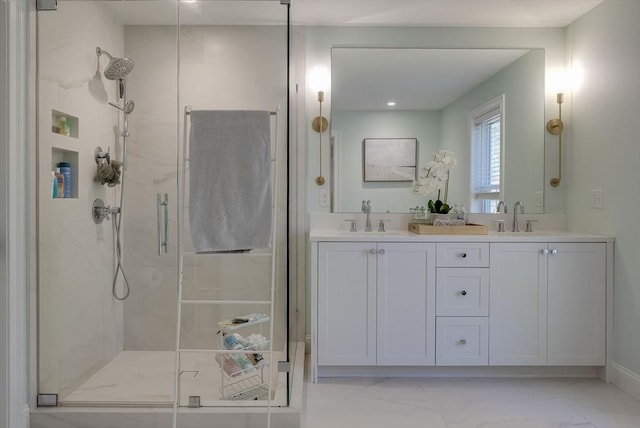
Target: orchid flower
point(434, 178)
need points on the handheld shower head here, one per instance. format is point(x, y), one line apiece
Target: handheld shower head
point(117, 68)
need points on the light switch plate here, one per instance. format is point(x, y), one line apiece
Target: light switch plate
point(597, 199)
point(324, 197)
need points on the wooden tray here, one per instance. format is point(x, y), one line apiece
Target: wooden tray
point(467, 229)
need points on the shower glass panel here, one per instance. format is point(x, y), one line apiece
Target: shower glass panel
point(233, 56)
point(107, 288)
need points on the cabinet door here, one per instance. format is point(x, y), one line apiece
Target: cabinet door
point(518, 304)
point(406, 304)
point(577, 291)
point(346, 303)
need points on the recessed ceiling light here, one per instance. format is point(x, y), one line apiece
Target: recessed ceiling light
point(391, 103)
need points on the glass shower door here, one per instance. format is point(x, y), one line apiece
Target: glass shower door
point(106, 299)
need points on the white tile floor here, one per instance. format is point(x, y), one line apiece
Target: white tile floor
point(466, 403)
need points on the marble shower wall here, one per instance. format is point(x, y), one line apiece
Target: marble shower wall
point(79, 322)
point(221, 67)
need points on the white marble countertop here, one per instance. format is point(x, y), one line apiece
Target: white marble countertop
point(317, 235)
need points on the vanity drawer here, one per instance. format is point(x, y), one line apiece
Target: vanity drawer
point(453, 254)
point(462, 341)
point(462, 292)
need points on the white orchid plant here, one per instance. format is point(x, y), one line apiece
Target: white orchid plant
point(435, 179)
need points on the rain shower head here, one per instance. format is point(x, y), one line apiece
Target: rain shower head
point(117, 68)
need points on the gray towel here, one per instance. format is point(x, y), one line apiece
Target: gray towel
point(230, 190)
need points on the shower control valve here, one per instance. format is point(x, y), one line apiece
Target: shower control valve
point(100, 212)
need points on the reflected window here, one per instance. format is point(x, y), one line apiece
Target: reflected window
point(486, 155)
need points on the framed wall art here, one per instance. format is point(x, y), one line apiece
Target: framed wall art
point(389, 159)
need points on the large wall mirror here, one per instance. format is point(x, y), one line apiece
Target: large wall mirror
point(435, 91)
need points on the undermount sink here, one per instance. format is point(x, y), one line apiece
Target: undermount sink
point(373, 234)
point(526, 234)
point(365, 234)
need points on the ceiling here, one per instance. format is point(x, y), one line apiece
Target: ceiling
point(458, 13)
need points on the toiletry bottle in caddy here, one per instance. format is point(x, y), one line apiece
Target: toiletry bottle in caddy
point(65, 169)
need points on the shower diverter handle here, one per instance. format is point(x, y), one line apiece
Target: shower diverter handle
point(163, 226)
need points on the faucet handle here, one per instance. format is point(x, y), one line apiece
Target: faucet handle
point(352, 226)
point(500, 225)
point(529, 225)
point(381, 223)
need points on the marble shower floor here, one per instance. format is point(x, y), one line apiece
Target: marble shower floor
point(146, 379)
point(467, 403)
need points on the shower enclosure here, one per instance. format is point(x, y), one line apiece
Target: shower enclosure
point(108, 300)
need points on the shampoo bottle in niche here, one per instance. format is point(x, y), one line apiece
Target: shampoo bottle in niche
point(65, 169)
point(54, 185)
point(60, 183)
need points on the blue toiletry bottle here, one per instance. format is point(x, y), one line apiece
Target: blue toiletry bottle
point(65, 169)
point(54, 185)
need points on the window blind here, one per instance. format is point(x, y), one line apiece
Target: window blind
point(487, 155)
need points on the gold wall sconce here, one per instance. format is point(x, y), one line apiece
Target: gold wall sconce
point(555, 127)
point(319, 78)
point(320, 124)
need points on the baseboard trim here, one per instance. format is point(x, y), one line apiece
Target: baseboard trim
point(626, 380)
point(459, 371)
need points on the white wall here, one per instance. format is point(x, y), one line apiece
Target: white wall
point(605, 154)
point(319, 41)
point(79, 324)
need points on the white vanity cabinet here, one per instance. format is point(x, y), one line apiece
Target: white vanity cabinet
point(375, 304)
point(419, 305)
point(548, 304)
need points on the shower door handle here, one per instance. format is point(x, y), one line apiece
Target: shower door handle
point(163, 226)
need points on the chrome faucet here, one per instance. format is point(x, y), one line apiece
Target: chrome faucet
point(503, 205)
point(366, 208)
point(515, 227)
